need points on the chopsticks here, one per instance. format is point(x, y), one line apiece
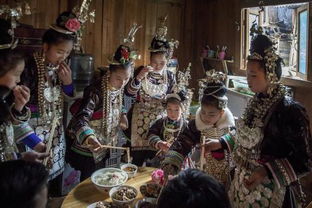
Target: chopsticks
point(202, 153)
point(121, 148)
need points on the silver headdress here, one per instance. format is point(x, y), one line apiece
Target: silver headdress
point(181, 91)
point(13, 14)
point(160, 42)
point(269, 54)
point(83, 14)
point(128, 53)
point(212, 81)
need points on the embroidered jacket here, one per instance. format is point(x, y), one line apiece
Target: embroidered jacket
point(286, 146)
point(192, 136)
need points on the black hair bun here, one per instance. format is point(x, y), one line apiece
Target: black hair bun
point(159, 44)
point(183, 95)
point(122, 52)
point(217, 87)
point(259, 44)
point(5, 27)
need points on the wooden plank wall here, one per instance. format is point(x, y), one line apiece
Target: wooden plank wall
point(113, 21)
point(214, 24)
point(115, 17)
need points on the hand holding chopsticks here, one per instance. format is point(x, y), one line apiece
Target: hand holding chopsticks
point(95, 146)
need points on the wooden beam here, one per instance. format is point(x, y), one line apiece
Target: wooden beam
point(255, 3)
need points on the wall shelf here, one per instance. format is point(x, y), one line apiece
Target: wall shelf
point(213, 62)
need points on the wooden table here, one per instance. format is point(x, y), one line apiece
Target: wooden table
point(85, 193)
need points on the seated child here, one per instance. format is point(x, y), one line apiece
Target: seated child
point(164, 131)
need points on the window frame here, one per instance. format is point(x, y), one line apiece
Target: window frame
point(300, 10)
point(243, 40)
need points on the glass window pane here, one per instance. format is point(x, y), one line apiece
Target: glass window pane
point(303, 20)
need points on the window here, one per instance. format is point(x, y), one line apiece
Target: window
point(303, 39)
point(287, 25)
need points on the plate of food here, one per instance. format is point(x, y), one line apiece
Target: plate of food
point(150, 190)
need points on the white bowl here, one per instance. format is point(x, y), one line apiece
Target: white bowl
point(119, 202)
point(132, 173)
point(107, 187)
point(150, 200)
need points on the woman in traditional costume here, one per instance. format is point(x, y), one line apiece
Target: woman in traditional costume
point(149, 87)
point(99, 116)
point(49, 78)
point(272, 148)
point(14, 116)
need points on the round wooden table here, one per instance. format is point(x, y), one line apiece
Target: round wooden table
point(85, 193)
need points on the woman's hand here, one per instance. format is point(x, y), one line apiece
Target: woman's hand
point(143, 73)
point(34, 156)
point(256, 178)
point(123, 122)
point(164, 146)
point(92, 143)
point(22, 95)
point(65, 74)
point(40, 147)
point(212, 145)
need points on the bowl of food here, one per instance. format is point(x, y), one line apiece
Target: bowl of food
point(123, 195)
point(130, 169)
point(146, 203)
point(106, 178)
point(150, 190)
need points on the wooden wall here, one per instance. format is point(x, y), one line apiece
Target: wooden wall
point(113, 21)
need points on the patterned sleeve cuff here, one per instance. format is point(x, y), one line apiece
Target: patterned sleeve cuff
point(22, 116)
point(21, 131)
point(282, 172)
point(227, 142)
point(68, 90)
point(153, 140)
point(133, 87)
point(31, 141)
point(173, 158)
point(123, 110)
point(83, 133)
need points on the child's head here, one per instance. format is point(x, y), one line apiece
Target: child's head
point(23, 184)
point(193, 188)
point(174, 104)
point(59, 40)
point(11, 63)
point(174, 108)
point(257, 70)
point(213, 103)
